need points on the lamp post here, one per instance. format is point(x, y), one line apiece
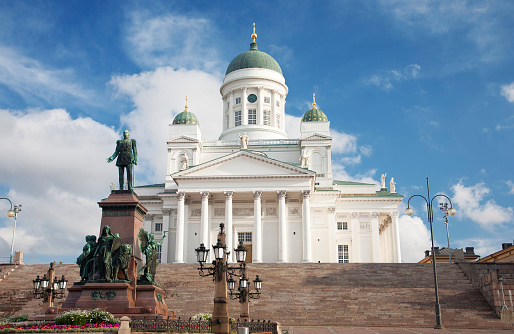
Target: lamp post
point(451, 212)
point(220, 271)
point(244, 294)
point(13, 213)
point(49, 288)
point(446, 210)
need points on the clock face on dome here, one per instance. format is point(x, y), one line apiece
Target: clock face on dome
point(252, 98)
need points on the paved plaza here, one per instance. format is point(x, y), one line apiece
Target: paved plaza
point(385, 330)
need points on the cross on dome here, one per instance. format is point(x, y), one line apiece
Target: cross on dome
point(186, 104)
point(254, 35)
point(314, 100)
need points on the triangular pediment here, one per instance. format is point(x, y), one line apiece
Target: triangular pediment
point(182, 139)
point(317, 136)
point(243, 164)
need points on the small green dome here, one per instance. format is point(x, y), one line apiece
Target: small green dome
point(253, 59)
point(186, 117)
point(314, 115)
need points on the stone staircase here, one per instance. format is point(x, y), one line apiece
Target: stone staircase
point(306, 294)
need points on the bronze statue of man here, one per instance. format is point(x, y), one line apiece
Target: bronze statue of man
point(126, 152)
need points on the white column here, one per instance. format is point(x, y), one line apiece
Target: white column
point(260, 102)
point(273, 107)
point(306, 227)
point(231, 111)
point(179, 241)
point(236, 243)
point(332, 224)
point(375, 240)
point(228, 223)
point(356, 242)
point(389, 242)
point(396, 239)
point(282, 237)
point(257, 228)
point(244, 111)
point(204, 227)
point(165, 228)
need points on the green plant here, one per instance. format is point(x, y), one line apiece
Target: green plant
point(14, 318)
point(73, 317)
point(83, 317)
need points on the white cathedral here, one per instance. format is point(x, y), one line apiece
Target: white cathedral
point(275, 194)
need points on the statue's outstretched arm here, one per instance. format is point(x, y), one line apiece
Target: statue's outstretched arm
point(162, 240)
point(116, 152)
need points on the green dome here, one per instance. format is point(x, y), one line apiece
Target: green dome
point(314, 115)
point(253, 59)
point(185, 117)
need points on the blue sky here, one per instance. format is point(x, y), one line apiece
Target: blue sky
point(414, 89)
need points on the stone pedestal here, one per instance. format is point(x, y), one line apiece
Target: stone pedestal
point(123, 213)
point(117, 299)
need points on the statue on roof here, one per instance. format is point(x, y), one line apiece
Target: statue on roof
point(392, 186)
point(304, 159)
point(126, 152)
point(185, 162)
point(244, 141)
point(383, 180)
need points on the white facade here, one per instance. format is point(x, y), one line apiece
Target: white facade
point(283, 204)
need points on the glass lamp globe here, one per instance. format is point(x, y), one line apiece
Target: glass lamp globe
point(409, 211)
point(452, 211)
point(10, 213)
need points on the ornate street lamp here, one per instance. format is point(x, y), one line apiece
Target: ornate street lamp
point(447, 212)
point(244, 294)
point(13, 213)
point(451, 211)
point(49, 287)
point(220, 271)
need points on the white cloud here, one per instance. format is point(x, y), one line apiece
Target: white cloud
point(58, 171)
point(35, 82)
point(511, 186)
point(470, 203)
point(414, 238)
point(479, 22)
point(158, 96)
point(172, 40)
point(387, 79)
point(340, 173)
point(508, 92)
point(366, 150)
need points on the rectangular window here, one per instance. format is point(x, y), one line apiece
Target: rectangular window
point(342, 254)
point(277, 120)
point(342, 226)
point(159, 249)
point(238, 100)
point(244, 237)
point(238, 118)
point(252, 116)
point(266, 99)
point(228, 104)
point(227, 121)
point(266, 117)
point(278, 104)
point(158, 227)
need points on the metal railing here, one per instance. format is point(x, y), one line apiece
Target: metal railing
point(255, 326)
point(198, 326)
point(170, 325)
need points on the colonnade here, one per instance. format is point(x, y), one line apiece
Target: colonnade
point(257, 239)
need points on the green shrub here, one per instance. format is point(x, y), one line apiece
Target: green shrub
point(101, 316)
point(73, 317)
point(83, 317)
point(14, 318)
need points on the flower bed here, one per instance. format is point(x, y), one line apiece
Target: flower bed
point(53, 328)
